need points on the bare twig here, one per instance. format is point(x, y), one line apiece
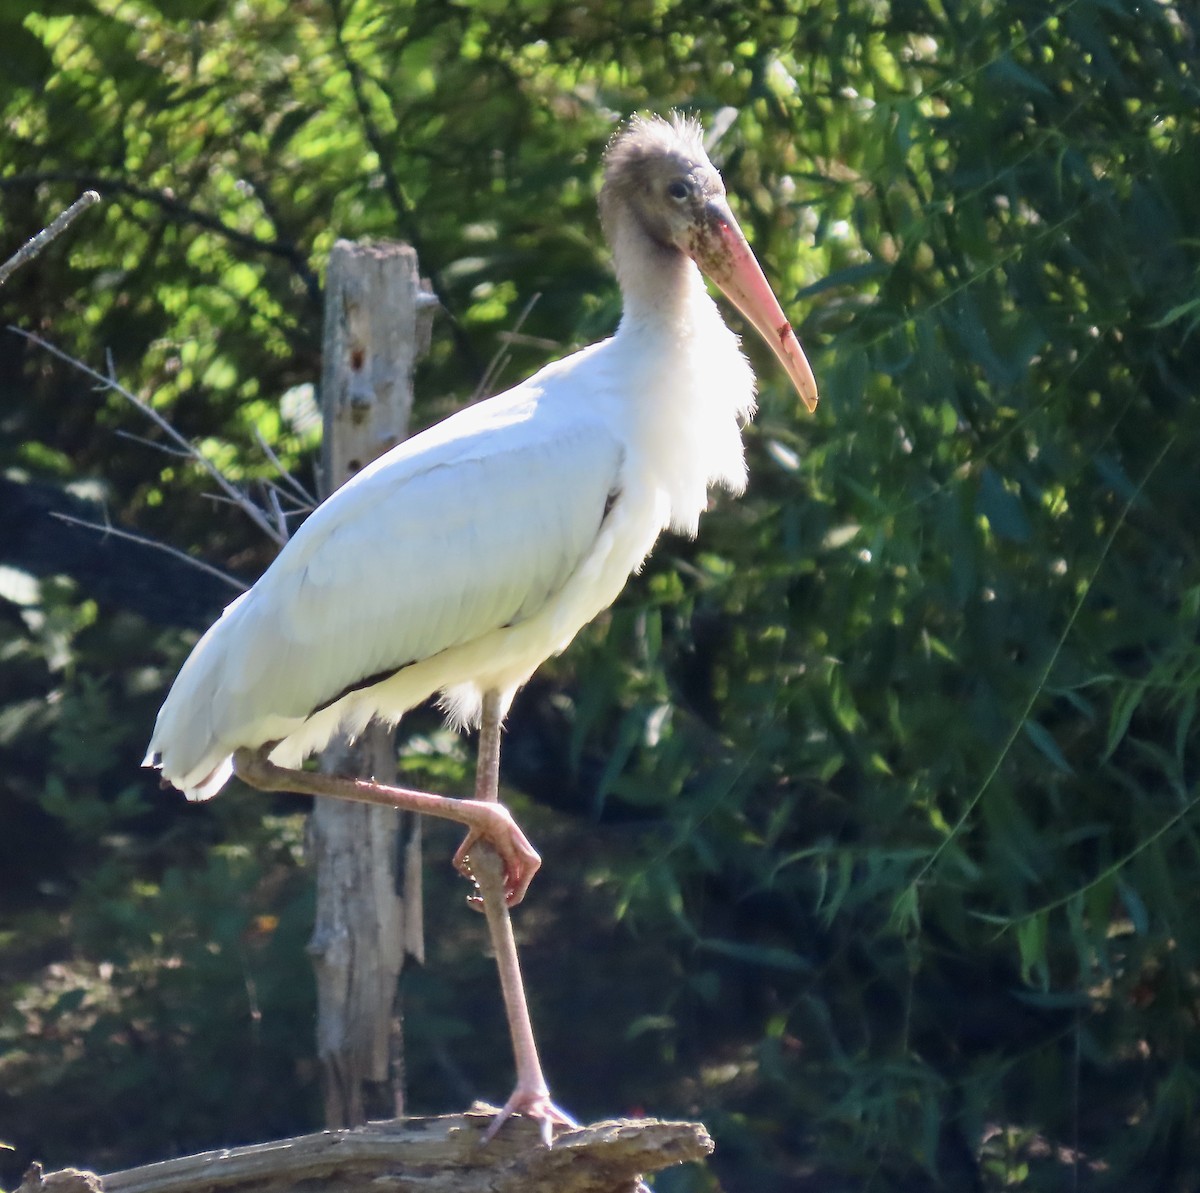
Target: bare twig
point(541, 343)
point(277, 509)
point(295, 505)
point(309, 500)
point(172, 206)
point(222, 499)
point(231, 491)
point(502, 356)
point(106, 528)
point(154, 445)
point(56, 228)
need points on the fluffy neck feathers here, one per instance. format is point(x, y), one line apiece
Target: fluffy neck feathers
point(688, 387)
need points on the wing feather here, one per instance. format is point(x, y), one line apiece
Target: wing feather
point(431, 560)
point(434, 545)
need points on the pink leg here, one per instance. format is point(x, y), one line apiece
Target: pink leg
point(487, 820)
point(531, 1096)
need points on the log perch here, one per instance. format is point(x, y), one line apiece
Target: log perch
point(440, 1154)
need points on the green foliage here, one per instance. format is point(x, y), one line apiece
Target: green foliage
point(908, 735)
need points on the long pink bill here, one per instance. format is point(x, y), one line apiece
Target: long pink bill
point(723, 253)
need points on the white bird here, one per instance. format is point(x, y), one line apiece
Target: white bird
point(464, 557)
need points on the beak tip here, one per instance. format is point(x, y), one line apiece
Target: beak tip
point(802, 377)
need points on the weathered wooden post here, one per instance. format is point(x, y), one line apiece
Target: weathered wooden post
point(368, 918)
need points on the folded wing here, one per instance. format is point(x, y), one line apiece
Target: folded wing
point(432, 547)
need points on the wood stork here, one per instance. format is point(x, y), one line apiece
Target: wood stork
point(464, 557)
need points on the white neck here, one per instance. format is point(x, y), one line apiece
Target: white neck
point(658, 283)
point(687, 385)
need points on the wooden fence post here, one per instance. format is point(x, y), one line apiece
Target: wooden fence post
point(368, 860)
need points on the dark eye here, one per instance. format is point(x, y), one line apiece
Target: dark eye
point(678, 189)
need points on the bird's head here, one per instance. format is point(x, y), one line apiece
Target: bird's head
point(658, 174)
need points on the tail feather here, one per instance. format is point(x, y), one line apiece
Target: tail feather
point(204, 787)
point(211, 783)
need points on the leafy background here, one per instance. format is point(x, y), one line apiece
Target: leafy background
point(870, 815)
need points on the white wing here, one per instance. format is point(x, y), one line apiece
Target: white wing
point(465, 529)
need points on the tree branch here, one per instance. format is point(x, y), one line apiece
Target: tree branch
point(106, 528)
point(168, 203)
point(440, 1155)
point(56, 228)
point(109, 381)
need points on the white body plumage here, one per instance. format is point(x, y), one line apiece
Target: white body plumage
point(464, 557)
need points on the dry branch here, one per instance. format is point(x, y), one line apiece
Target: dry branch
point(180, 212)
point(56, 228)
point(433, 1155)
point(106, 528)
point(109, 382)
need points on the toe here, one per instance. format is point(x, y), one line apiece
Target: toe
point(535, 1105)
point(519, 859)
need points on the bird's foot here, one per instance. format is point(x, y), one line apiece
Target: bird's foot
point(534, 1104)
point(520, 860)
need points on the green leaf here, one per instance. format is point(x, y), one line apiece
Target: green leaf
point(852, 276)
point(1002, 508)
point(1047, 746)
point(1126, 704)
point(768, 957)
point(1181, 311)
point(1135, 907)
point(905, 917)
point(1011, 74)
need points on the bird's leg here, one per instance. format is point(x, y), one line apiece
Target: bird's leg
point(487, 820)
point(531, 1096)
